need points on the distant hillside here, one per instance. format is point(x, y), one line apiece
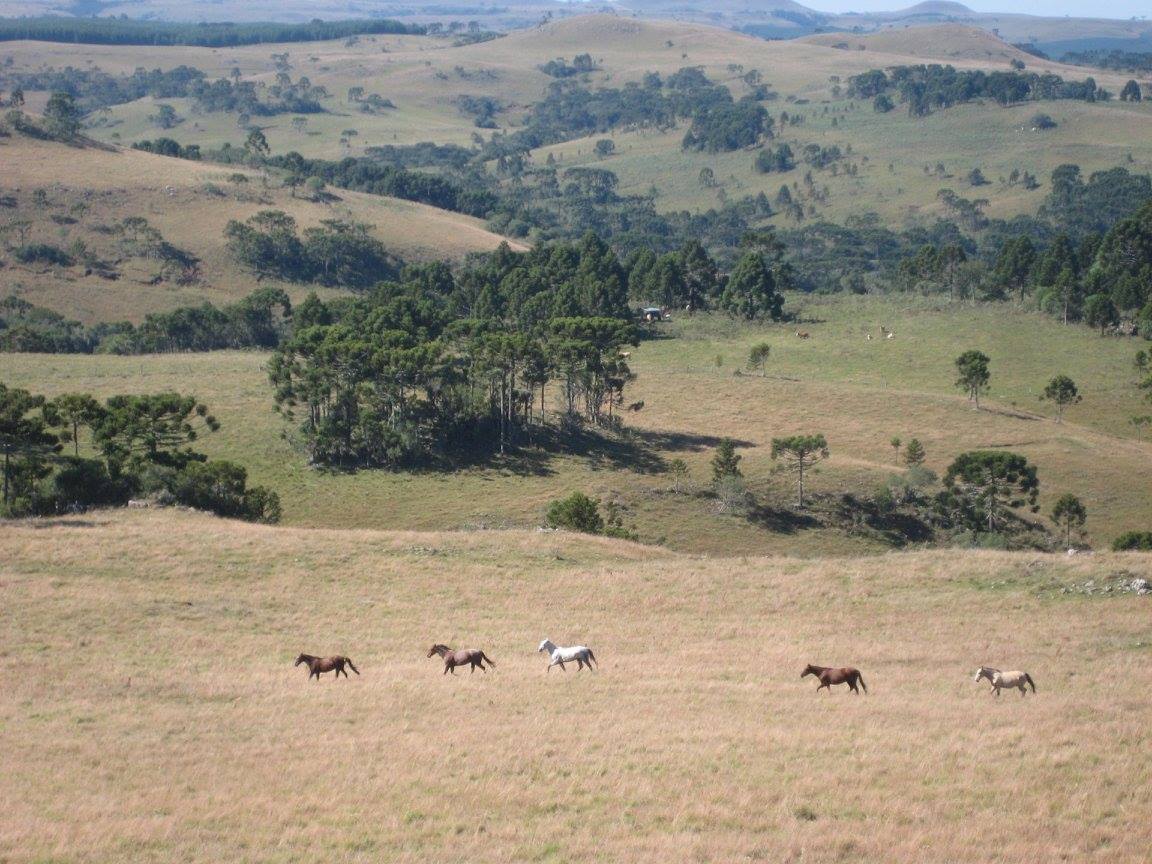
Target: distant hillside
point(940, 42)
point(89, 191)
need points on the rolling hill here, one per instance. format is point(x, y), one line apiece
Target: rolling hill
point(90, 189)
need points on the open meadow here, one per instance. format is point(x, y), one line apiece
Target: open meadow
point(696, 389)
point(150, 711)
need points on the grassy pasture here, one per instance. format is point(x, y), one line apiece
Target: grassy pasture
point(150, 711)
point(424, 75)
point(858, 393)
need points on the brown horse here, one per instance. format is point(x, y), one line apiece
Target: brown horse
point(319, 665)
point(828, 676)
point(452, 659)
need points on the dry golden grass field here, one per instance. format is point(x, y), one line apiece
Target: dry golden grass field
point(150, 712)
point(190, 203)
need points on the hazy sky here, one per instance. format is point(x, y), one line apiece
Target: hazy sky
point(1087, 8)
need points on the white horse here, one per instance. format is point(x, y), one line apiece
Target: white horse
point(582, 654)
point(998, 679)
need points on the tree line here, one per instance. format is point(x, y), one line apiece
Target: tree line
point(258, 321)
point(927, 88)
point(125, 31)
point(141, 445)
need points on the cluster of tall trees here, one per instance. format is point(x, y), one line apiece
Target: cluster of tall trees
point(1098, 280)
point(926, 88)
point(260, 320)
point(689, 278)
point(92, 89)
point(334, 253)
point(570, 110)
point(141, 446)
point(444, 366)
point(379, 177)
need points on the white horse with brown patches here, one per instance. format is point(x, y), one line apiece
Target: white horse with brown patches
point(999, 680)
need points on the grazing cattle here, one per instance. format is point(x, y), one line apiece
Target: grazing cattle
point(319, 665)
point(890, 336)
point(469, 656)
point(998, 680)
point(803, 334)
point(636, 406)
point(828, 675)
point(868, 336)
point(883, 330)
point(624, 355)
point(582, 654)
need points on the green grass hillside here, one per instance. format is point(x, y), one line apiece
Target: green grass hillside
point(859, 393)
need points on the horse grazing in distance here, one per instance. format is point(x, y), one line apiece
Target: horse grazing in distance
point(319, 665)
point(998, 679)
point(468, 656)
point(582, 654)
point(828, 675)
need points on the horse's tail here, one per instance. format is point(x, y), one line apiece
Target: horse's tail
point(486, 659)
point(348, 660)
point(1031, 683)
point(860, 678)
point(592, 657)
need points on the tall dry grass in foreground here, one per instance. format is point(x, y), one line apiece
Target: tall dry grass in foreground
point(149, 710)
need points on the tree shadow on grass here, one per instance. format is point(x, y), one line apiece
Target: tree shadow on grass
point(627, 452)
point(691, 442)
point(780, 520)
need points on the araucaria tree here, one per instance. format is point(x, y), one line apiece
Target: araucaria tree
point(983, 486)
point(974, 375)
point(26, 441)
point(799, 453)
point(1061, 390)
point(726, 461)
point(914, 453)
point(758, 356)
point(751, 291)
point(1070, 514)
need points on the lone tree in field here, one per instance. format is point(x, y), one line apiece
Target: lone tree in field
point(577, 512)
point(985, 485)
point(257, 144)
point(758, 357)
point(800, 452)
point(1070, 514)
point(1061, 390)
point(974, 374)
point(726, 461)
point(62, 116)
point(678, 471)
point(914, 453)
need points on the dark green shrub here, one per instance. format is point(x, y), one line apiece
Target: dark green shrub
point(1133, 541)
point(577, 512)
